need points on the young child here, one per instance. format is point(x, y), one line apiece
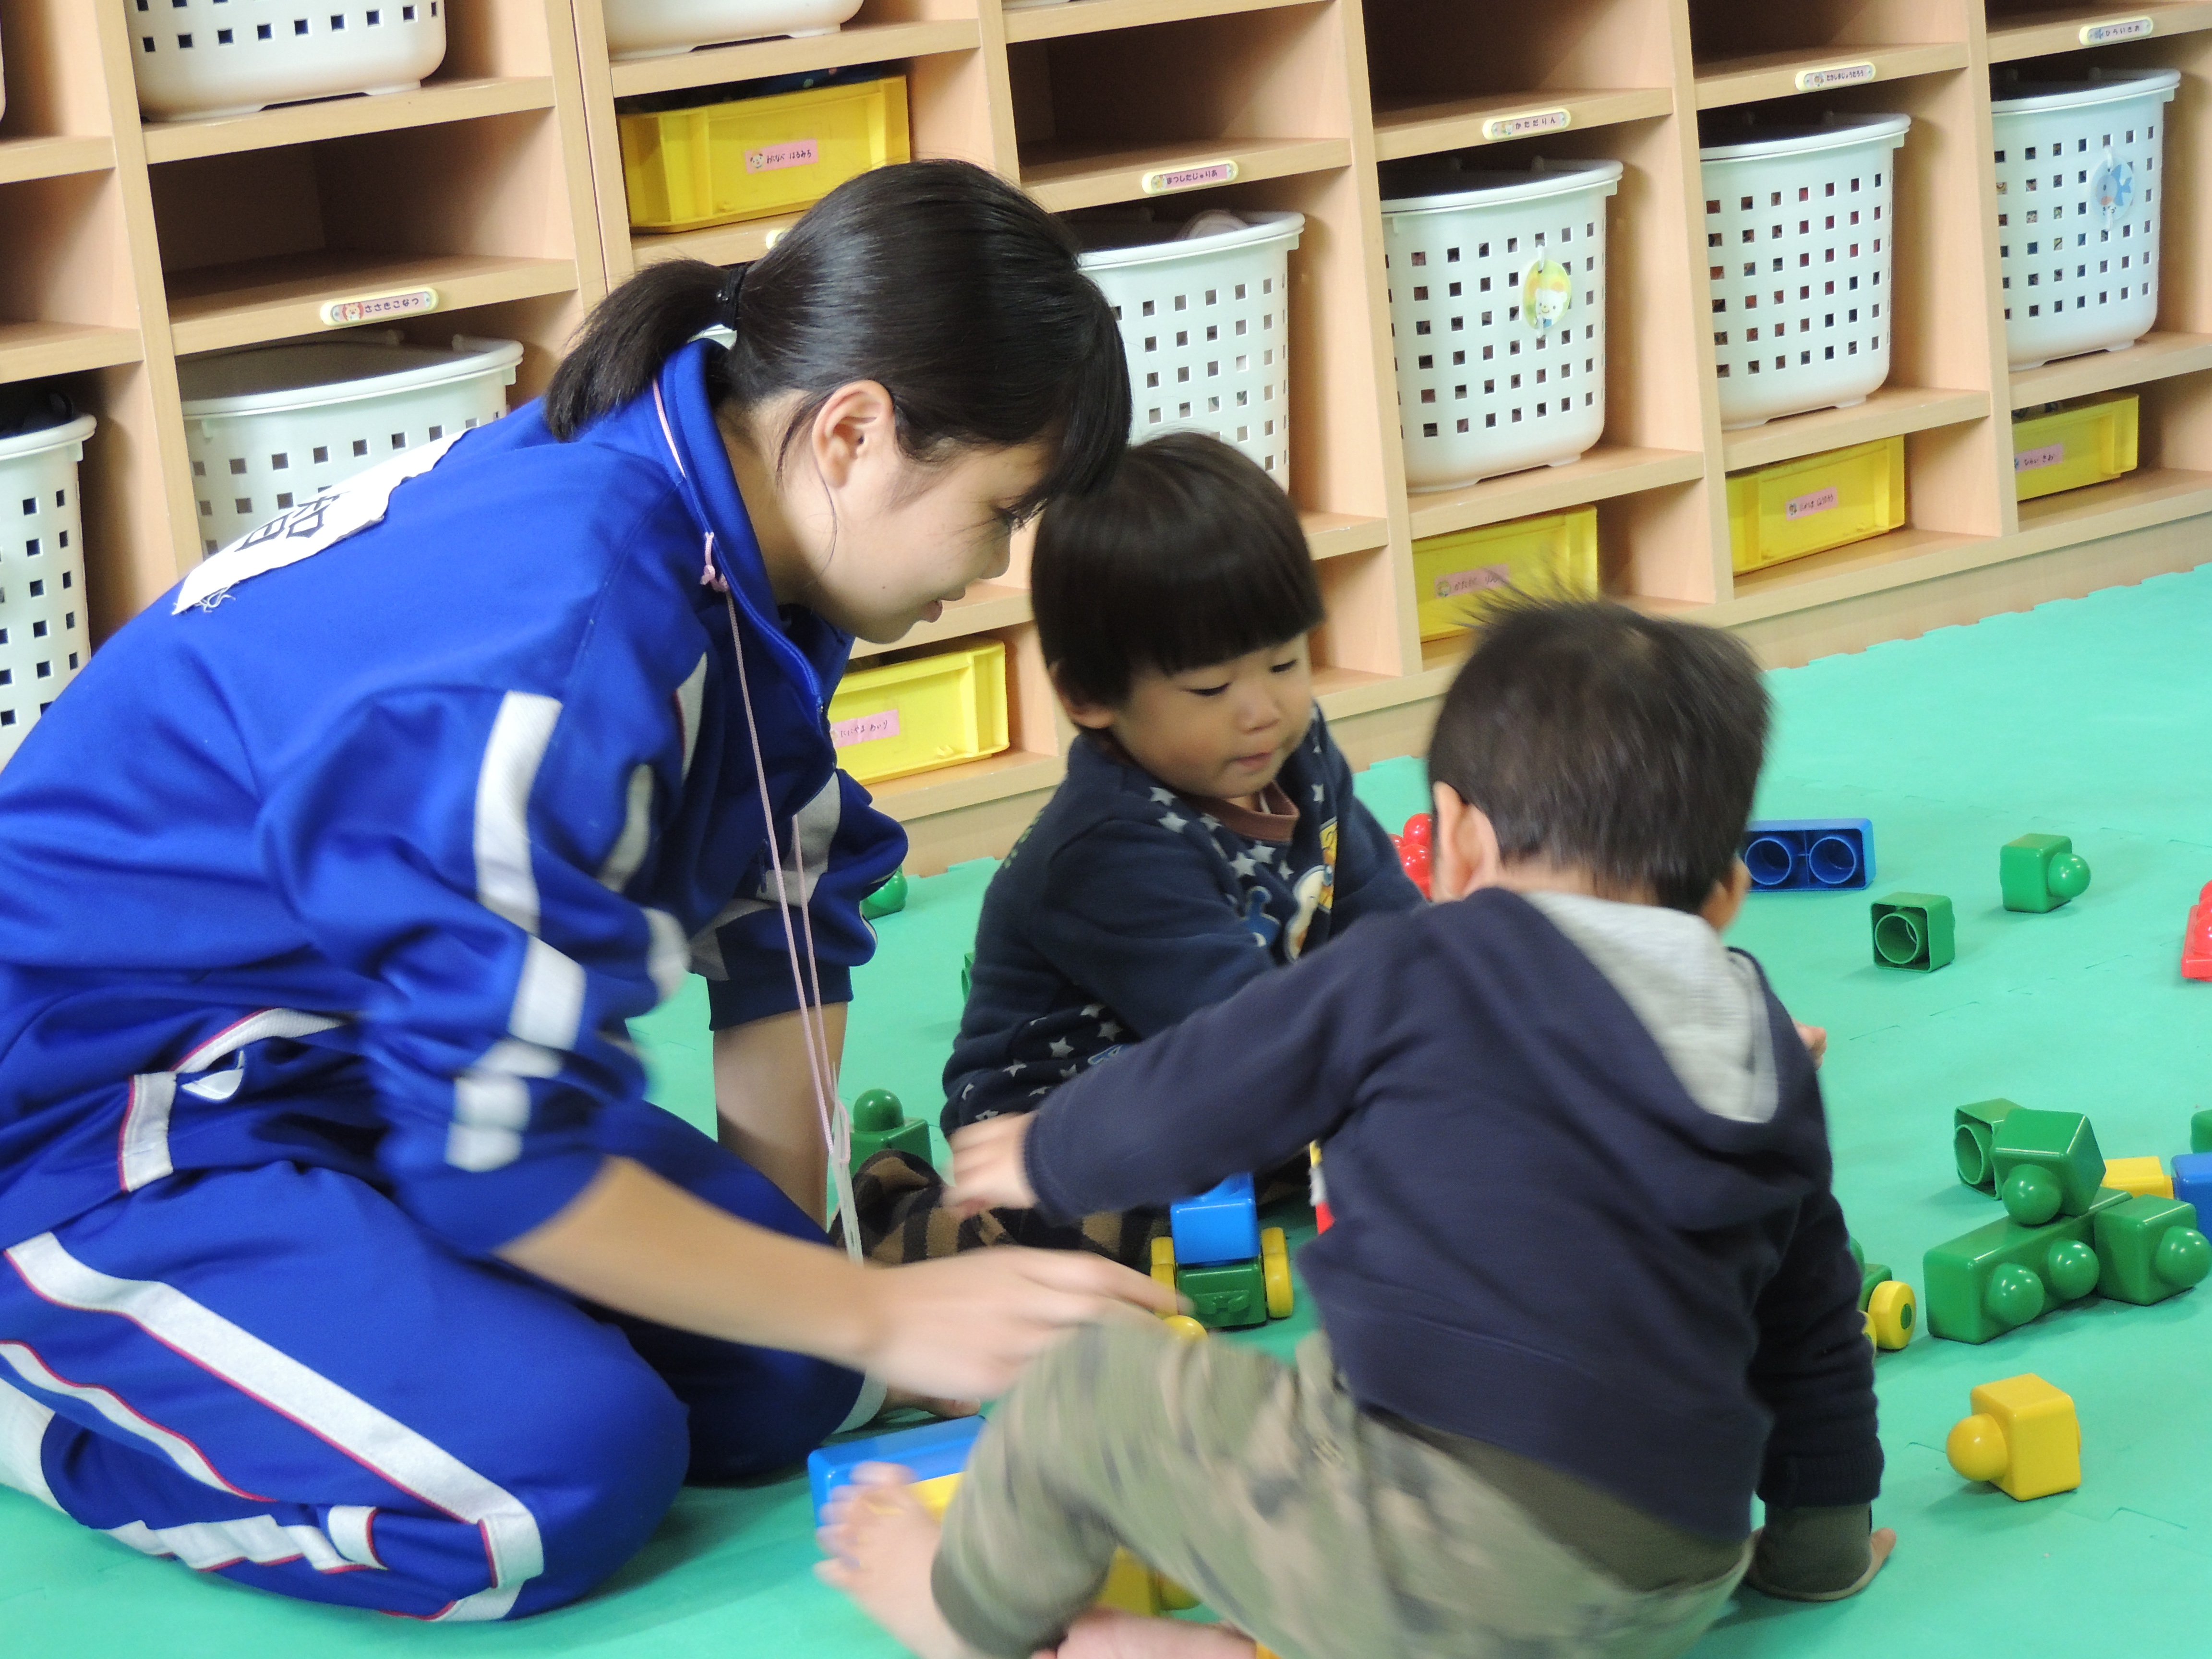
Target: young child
point(1206, 831)
point(1587, 1290)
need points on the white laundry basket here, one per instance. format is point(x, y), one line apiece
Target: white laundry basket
point(44, 635)
point(1798, 240)
point(201, 58)
point(658, 28)
point(1206, 323)
point(2078, 189)
point(1497, 283)
point(273, 425)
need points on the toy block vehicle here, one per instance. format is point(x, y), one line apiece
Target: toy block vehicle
point(1889, 1303)
point(2038, 873)
point(1999, 1277)
point(1809, 855)
point(1216, 1253)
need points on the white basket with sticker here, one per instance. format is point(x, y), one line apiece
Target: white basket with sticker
point(272, 426)
point(1798, 237)
point(44, 634)
point(2079, 180)
point(660, 28)
point(1204, 308)
point(1497, 286)
point(207, 57)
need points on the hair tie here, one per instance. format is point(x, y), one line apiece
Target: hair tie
point(726, 299)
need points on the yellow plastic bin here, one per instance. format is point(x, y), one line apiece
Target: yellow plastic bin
point(917, 715)
point(1793, 508)
point(1456, 576)
point(755, 157)
point(2067, 446)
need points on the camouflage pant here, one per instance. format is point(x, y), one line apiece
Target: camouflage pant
point(1262, 1488)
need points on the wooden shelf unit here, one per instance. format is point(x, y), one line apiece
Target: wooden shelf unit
point(500, 184)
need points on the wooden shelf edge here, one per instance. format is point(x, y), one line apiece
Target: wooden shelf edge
point(925, 794)
point(1062, 182)
point(433, 105)
point(32, 351)
point(754, 60)
point(2156, 356)
point(987, 605)
point(2043, 34)
point(717, 245)
point(267, 305)
point(1462, 124)
point(1331, 535)
point(25, 159)
point(1728, 81)
point(1602, 474)
point(1888, 412)
point(1050, 21)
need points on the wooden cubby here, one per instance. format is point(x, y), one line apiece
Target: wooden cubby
point(128, 243)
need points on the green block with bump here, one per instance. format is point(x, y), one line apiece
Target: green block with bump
point(1999, 1277)
point(880, 1124)
point(1227, 1296)
point(1914, 930)
point(2148, 1248)
point(2046, 1165)
point(2200, 1132)
point(2040, 872)
point(1973, 1129)
point(889, 897)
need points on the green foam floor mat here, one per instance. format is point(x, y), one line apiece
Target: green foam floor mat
point(2080, 717)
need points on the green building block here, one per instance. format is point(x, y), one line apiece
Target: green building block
point(1226, 1297)
point(2000, 1276)
point(2040, 872)
point(889, 897)
point(1913, 930)
point(2046, 1163)
point(2199, 1133)
point(967, 974)
point(2148, 1248)
point(1973, 1129)
point(880, 1124)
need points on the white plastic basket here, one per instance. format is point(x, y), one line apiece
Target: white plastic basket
point(206, 57)
point(660, 28)
point(273, 425)
point(1798, 234)
point(2077, 209)
point(1497, 285)
point(1206, 323)
point(44, 635)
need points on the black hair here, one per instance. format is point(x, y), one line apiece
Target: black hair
point(1191, 555)
point(947, 286)
point(1599, 738)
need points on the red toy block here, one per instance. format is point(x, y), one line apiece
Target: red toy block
point(2197, 943)
point(1413, 845)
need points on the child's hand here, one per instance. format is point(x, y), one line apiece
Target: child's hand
point(1815, 1039)
point(989, 1172)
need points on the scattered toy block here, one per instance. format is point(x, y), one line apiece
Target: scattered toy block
point(2046, 1163)
point(2023, 1437)
point(1809, 855)
point(2040, 872)
point(880, 1124)
point(1216, 1226)
point(1974, 1130)
point(888, 898)
point(2192, 1180)
point(1914, 930)
point(1892, 1311)
point(2148, 1249)
point(2138, 1178)
point(932, 1450)
point(1999, 1277)
point(2197, 939)
point(1414, 845)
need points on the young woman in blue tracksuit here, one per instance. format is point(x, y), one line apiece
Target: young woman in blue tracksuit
point(342, 1256)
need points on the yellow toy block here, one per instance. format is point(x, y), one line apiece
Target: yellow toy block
point(937, 1495)
point(2138, 1178)
point(2023, 1438)
point(1130, 1585)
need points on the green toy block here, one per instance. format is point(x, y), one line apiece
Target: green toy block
point(2148, 1248)
point(1871, 1275)
point(889, 897)
point(1913, 930)
point(967, 974)
point(2000, 1276)
point(2046, 1163)
point(880, 1124)
point(2040, 872)
point(2199, 1133)
point(1974, 1126)
point(1226, 1297)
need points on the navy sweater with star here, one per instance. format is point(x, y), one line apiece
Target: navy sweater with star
point(1126, 907)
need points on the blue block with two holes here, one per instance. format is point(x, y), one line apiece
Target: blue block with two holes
point(2192, 1180)
point(1809, 855)
point(932, 1449)
point(1222, 1226)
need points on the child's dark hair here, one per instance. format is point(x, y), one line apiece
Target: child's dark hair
point(1191, 555)
point(947, 286)
point(1598, 739)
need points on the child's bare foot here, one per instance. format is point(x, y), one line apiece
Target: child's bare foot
point(1109, 1634)
point(881, 1543)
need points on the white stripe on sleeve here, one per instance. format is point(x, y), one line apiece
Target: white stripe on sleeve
point(505, 882)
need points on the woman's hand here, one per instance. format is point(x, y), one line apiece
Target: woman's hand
point(988, 1168)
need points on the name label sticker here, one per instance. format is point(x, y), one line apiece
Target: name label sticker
point(1520, 127)
point(1835, 75)
point(375, 308)
point(1804, 507)
point(864, 728)
point(1478, 581)
point(2127, 29)
point(798, 153)
point(1211, 172)
point(2031, 460)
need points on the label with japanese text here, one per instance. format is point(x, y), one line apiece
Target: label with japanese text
point(1835, 75)
point(1478, 580)
point(2127, 29)
point(774, 158)
point(864, 728)
point(375, 308)
point(1520, 127)
point(1212, 173)
point(2030, 460)
point(1804, 507)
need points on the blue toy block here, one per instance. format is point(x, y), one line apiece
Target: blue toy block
point(932, 1449)
point(1809, 855)
point(1222, 1226)
point(2192, 1180)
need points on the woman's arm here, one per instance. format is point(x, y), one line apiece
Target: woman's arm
point(764, 1100)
